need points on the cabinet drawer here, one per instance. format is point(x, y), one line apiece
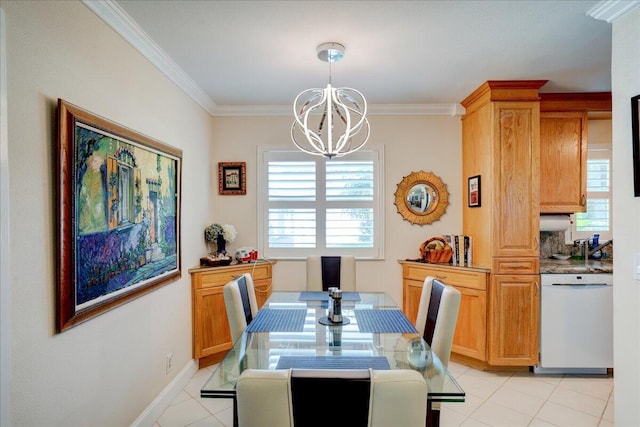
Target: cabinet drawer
point(516, 266)
point(449, 275)
point(221, 276)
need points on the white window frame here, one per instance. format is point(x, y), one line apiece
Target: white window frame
point(265, 154)
point(598, 151)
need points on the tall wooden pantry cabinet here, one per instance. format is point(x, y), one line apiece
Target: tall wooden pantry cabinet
point(501, 143)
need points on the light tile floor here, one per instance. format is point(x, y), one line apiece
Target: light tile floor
point(505, 398)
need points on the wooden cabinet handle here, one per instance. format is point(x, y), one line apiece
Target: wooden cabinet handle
point(537, 240)
point(518, 267)
point(537, 288)
point(264, 291)
point(583, 200)
point(441, 277)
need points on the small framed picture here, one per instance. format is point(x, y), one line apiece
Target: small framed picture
point(474, 191)
point(232, 178)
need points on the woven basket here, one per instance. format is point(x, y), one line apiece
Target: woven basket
point(436, 256)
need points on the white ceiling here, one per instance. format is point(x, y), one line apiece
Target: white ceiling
point(405, 53)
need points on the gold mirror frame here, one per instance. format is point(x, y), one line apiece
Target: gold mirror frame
point(436, 207)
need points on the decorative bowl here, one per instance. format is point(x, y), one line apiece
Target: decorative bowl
point(215, 262)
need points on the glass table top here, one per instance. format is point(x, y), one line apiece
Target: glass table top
point(314, 345)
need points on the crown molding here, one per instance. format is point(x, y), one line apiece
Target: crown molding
point(416, 109)
point(374, 110)
point(114, 16)
point(610, 10)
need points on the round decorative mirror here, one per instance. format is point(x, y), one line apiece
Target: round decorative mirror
point(421, 197)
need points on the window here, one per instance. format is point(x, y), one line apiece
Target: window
point(597, 218)
point(309, 205)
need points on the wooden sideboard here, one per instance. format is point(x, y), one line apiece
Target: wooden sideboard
point(210, 326)
point(470, 338)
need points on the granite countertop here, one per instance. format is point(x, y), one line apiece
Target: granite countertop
point(554, 266)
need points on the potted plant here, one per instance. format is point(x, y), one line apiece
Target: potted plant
point(219, 235)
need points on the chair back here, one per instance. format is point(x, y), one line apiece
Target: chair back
point(324, 272)
point(399, 398)
point(296, 397)
point(337, 388)
point(263, 398)
point(241, 304)
point(437, 316)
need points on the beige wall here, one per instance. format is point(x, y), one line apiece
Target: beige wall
point(626, 227)
point(107, 370)
point(599, 131)
point(411, 143)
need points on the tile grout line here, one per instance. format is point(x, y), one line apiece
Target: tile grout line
point(546, 400)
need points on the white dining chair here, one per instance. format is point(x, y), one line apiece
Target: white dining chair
point(436, 322)
point(375, 398)
point(324, 272)
point(240, 303)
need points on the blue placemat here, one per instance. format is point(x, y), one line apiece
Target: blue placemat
point(278, 320)
point(332, 362)
point(324, 296)
point(385, 321)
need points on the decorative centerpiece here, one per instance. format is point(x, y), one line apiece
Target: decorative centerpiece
point(217, 236)
point(436, 251)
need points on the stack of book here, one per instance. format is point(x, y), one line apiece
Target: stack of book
point(462, 246)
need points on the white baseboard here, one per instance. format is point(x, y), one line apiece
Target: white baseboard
point(155, 409)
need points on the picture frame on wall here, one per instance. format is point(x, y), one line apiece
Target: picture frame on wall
point(232, 178)
point(474, 195)
point(118, 196)
point(635, 133)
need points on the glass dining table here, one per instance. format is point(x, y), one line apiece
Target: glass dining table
point(288, 332)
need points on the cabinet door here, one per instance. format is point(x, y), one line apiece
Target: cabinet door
point(211, 332)
point(513, 320)
point(516, 210)
point(563, 162)
point(470, 337)
point(411, 298)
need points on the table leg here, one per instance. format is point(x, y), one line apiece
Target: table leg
point(433, 416)
point(235, 412)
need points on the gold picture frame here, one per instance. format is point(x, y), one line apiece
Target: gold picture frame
point(232, 178)
point(118, 215)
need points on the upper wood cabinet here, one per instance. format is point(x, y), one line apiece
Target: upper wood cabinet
point(563, 162)
point(563, 148)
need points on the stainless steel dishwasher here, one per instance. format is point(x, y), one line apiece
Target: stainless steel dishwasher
point(576, 323)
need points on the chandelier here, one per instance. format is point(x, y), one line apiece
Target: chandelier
point(330, 122)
